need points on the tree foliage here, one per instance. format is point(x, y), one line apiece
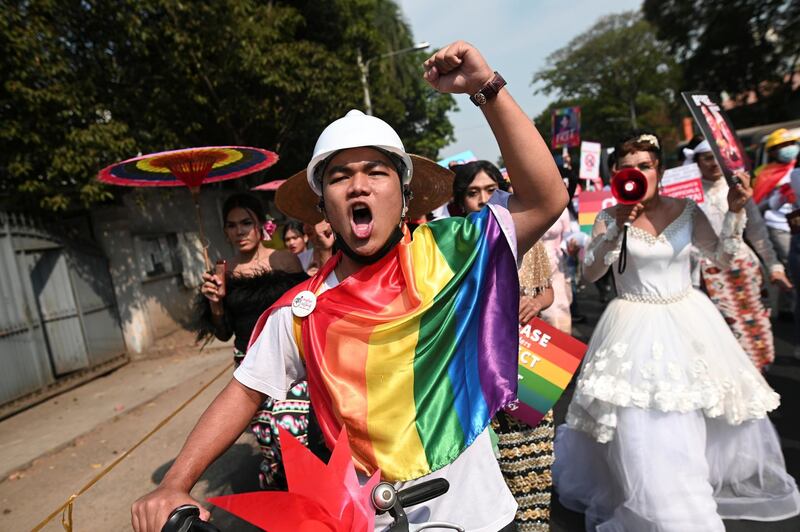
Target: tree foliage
point(619, 74)
point(747, 45)
point(86, 83)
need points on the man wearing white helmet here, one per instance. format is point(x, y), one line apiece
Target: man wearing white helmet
point(364, 183)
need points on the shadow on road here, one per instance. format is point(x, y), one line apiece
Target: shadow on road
point(236, 471)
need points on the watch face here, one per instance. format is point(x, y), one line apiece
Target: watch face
point(480, 98)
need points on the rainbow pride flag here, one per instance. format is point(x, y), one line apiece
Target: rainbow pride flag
point(415, 353)
point(589, 204)
point(548, 358)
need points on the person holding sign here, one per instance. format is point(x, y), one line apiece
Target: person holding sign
point(526, 453)
point(736, 290)
point(668, 428)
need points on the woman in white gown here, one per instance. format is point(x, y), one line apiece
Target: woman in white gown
point(668, 428)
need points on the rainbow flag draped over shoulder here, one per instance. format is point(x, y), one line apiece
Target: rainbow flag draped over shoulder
point(415, 353)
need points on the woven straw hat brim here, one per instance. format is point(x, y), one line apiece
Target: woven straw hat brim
point(432, 187)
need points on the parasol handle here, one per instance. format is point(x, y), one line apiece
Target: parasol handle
point(198, 215)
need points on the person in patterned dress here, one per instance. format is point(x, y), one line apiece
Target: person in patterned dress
point(737, 290)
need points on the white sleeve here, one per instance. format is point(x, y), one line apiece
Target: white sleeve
point(719, 249)
point(604, 248)
point(273, 364)
point(775, 200)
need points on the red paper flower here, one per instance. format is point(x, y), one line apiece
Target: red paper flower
point(321, 497)
point(269, 229)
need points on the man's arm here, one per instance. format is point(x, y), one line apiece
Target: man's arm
point(285, 260)
point(219, 426)
point(539, 193)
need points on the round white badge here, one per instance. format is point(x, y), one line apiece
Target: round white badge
point(304, 303)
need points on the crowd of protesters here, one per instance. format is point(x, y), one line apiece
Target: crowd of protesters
point(679, 351)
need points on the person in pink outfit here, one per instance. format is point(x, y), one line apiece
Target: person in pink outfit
point(558, 242)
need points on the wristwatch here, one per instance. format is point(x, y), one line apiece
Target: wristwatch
point(489, 90)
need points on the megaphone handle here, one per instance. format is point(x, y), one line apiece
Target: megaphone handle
point(623, 253)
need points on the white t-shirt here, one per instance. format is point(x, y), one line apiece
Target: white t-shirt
point(305, 257)
point(478, 499)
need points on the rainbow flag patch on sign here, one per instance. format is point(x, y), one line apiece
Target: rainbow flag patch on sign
point(548, 358)
point(589, 204)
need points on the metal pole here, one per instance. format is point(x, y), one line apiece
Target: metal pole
point(364, 68)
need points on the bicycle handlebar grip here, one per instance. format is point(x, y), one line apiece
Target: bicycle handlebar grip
point(201, 526)
point(186, 518)
point(423, 492)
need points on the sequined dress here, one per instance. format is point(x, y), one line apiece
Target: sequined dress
point(668, 429)
point(526, 453)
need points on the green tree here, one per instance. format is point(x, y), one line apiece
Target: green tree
point(399, 94)
point(737, 47)
point(619, 74)
point(86, 83)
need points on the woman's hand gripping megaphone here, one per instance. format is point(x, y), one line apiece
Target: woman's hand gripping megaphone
point(629, 187)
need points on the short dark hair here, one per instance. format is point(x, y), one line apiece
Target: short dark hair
point(465, 175)
point(292, 225)
point(245, 201)
point(638, 140)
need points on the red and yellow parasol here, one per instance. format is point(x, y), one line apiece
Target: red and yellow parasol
point(191, 167)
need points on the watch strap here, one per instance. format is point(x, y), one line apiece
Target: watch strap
point(488, 91)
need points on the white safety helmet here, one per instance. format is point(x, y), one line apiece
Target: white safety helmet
point(356, 130)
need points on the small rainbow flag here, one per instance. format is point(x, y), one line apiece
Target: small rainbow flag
point(548, 358)
point(591, 203)
point(415, 353)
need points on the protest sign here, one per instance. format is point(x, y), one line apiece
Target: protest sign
point(548, 358)
point(683, 182)
point(590, 161)
point(718, 130)
point(566, 128)
point(589, 204)
point(458, 158)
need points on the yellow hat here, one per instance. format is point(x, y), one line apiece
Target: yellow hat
point(780, 136)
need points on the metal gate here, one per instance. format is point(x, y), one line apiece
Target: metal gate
point(57, 309)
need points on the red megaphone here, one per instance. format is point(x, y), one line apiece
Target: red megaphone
point(629, 186)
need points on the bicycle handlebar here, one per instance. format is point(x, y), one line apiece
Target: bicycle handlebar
point(385, 498)
point(186, 518)
point(423, 492)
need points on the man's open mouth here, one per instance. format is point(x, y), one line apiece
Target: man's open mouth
point(361, 220)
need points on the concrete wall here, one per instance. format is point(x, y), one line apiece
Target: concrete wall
point(152, 307)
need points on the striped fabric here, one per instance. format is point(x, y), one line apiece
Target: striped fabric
point(548, 359)
point(415, 353)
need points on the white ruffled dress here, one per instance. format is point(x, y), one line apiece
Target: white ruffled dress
point(668, 428)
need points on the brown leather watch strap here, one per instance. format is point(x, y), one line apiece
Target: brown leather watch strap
point(489, 90)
